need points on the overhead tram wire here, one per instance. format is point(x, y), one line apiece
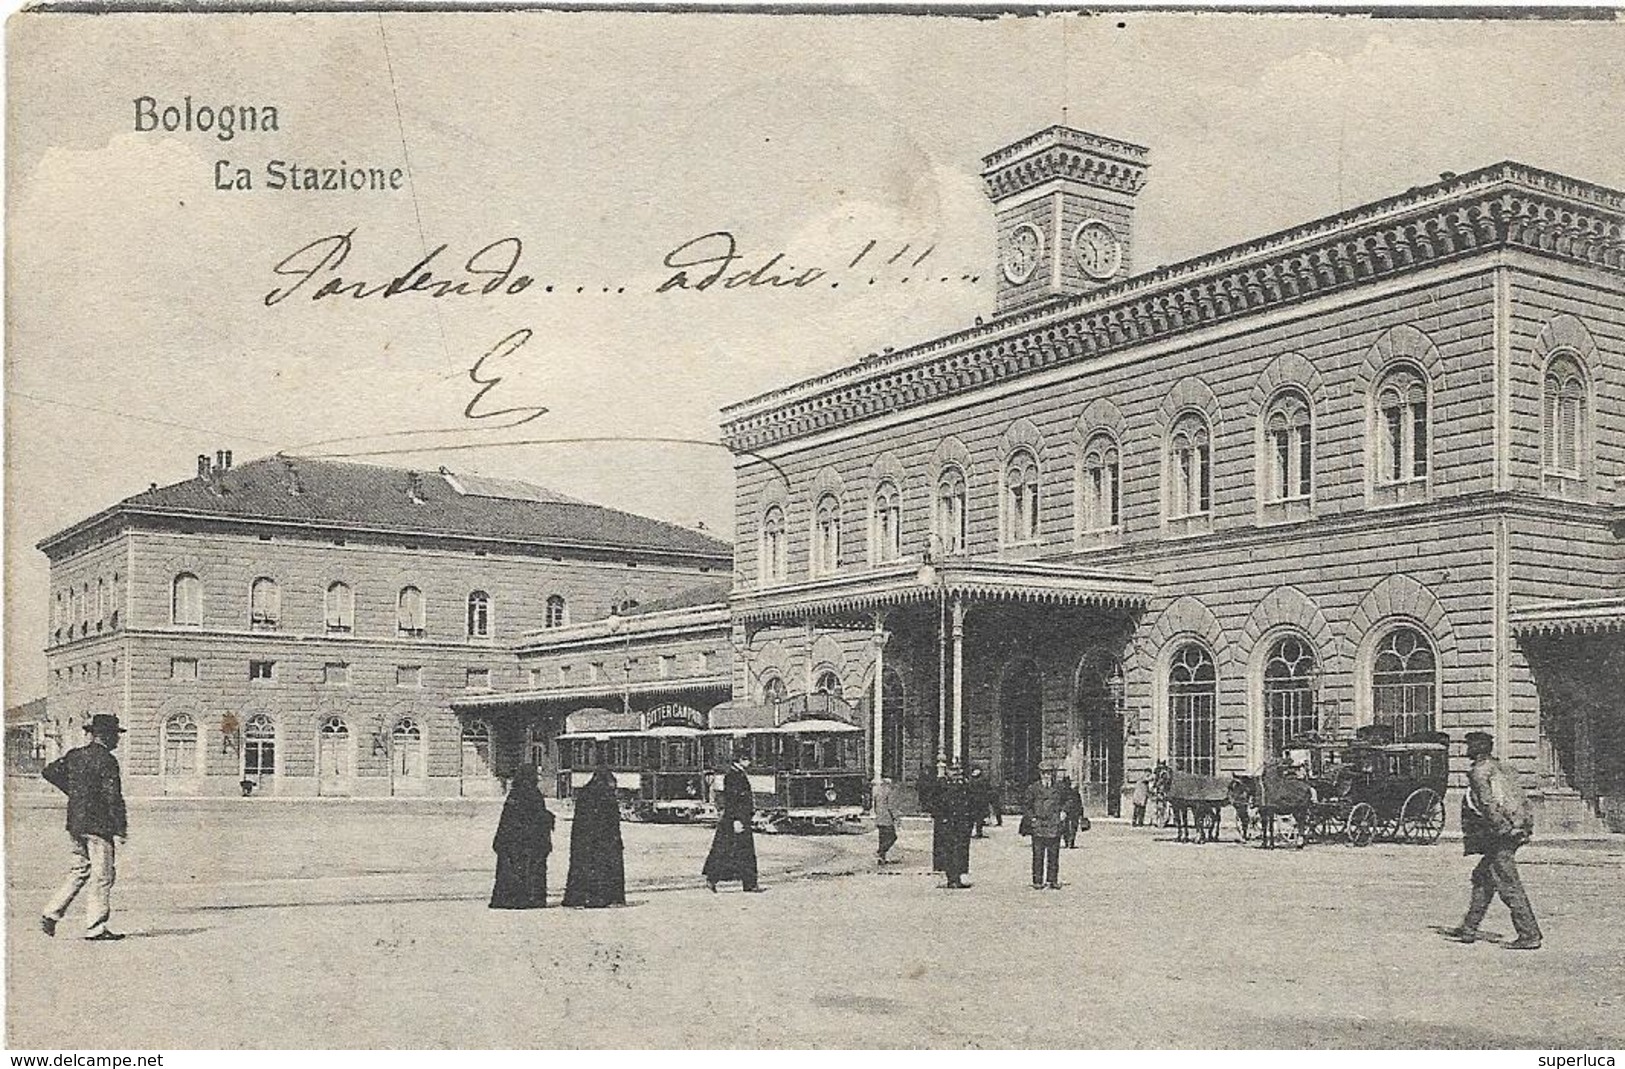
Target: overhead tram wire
point(461, 447)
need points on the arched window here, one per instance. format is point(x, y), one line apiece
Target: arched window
point(1099, 478)
point(1190, 467)
point(772, 566)
point(180, 745)
point(333, 752)
point(186, 601)
point(339, 609)
point(773, 690)
point(1402, 426)
point(1021, 497)
point(828, 682)
point(1193, 691)
point(264, 604)
point(554, 615)
point(479, 615)
point(476, 749)
point(1289, 693)
point(1404, 682)
point(1289, 452)
point(950, 509)
point(1564, 421)
point(406, 749)
point(409, 613)
point(536, 744)
point(826, 548)
point(886, 526)
point(259, 747)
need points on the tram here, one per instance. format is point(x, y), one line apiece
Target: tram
point(655, 757)
point(807, 765)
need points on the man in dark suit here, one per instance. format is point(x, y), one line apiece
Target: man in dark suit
point(733, 849)
point(89, 776)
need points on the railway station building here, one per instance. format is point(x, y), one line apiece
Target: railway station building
point(1368, 470)
point(305, 627)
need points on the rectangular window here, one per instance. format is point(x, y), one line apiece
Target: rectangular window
point(668, 665)
point(335, 674)
point(535, 678)
point(408, 675)
point(1306, 462)
point(479, 679)
point(183, 669)
point(595, 671)
point(564, 675)
point(261, 669)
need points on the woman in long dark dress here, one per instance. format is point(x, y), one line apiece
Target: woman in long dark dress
point(523, 840)
point(597, 870)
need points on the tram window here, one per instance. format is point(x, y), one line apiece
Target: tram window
point(680, 753)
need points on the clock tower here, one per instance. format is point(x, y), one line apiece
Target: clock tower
point(1063, 203)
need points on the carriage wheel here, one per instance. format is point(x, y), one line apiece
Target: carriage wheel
point(1361, 826)
point(1421, 818)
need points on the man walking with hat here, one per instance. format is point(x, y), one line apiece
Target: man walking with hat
point(1495, 820)
point(89, 776)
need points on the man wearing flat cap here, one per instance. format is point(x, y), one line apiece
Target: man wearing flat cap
point(1495, 820)
point(89, 776)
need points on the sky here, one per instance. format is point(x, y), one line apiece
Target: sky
point(139, 335)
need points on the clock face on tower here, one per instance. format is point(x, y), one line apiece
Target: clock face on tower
point(1022, 251)
point(1097, 250)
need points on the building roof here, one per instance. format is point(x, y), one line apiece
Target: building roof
point(712, 592)
point(1504, 206)
point(27, 713)
point(342, 495)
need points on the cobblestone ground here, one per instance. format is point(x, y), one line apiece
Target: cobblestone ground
point(363, 925)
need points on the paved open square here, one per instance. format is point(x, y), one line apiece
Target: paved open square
point(265, 924)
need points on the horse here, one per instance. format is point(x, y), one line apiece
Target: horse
point(1242, 790)
point(1276, 792)
point(1196, 800)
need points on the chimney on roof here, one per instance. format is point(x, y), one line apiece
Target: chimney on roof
point(414, 486)
point(219, 460)
point(202, 465)
point(295, 487)
point(228, 460)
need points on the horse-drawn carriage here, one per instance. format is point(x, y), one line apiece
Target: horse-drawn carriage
point(1355, 791)
point(1376, 788)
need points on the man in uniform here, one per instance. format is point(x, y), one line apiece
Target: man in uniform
point(1496, 819)
point(952, 820)
point(89, 776)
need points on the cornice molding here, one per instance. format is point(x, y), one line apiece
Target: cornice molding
point(1061, 153)
point(1504, 207)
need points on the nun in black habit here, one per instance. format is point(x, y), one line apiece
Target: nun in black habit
point(523, 840)
point(597, 868)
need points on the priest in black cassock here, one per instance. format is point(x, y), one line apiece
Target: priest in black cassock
point(597, 867)
point(523, 840)
point(952, 820)
point(733, 849)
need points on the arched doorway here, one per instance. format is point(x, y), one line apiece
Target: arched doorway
point(335, 757)
point(1100, 730)
point(1021, 716)
point(891, 727)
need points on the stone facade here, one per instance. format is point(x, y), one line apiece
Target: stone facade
point(227, 688)
point(1343, 435)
